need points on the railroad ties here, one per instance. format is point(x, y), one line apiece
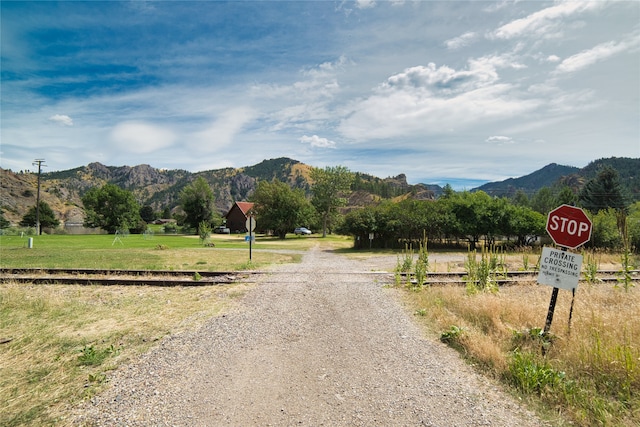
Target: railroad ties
point(81, 276)
point(204, 278)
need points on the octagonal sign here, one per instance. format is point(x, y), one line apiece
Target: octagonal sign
point(569, 226)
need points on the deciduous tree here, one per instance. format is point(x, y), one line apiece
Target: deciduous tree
point(330, 187)
point(526, 224)
point(111, 208)
point(280, 208)
point(197, 201)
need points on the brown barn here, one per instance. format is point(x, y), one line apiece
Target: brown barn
point(237, 216)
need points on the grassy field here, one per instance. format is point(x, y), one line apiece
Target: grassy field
point(160, 252)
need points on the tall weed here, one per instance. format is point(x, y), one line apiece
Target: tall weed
point(422, 263)
point(591, 266)
point(482, 274)
point(532, 374)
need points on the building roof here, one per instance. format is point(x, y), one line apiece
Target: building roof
point(245, 207)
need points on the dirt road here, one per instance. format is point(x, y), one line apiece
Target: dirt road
point(313, 345)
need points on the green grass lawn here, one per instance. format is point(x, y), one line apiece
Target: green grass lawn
point(157, 252)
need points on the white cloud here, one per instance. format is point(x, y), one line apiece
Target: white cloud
point(382, 87)
point(499, 140)
point(480, 72)
point(316, 141)
point(460, 41)
point(442, 79)
point(410, 113)
point(305, 103)
point(494, 7)
point(61, 119)
point(546, 22)
point(365, 4)
point(141, 137)
point(222, 131)
point(436, 100)
point(598, 53)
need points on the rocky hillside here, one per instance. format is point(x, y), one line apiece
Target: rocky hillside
point(19, 193)
point(160, 188)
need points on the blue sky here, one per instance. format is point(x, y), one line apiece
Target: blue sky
point(459, 92)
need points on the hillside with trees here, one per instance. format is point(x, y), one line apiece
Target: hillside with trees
point(545, 177)
point(397, 207)
point(556, 176)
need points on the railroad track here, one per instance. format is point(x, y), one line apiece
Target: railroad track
point(82, 276)
point(513, 277)
point(107, 277)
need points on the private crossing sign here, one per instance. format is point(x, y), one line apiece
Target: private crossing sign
point(569, 227)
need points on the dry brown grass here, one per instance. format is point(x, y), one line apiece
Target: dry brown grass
point(599, 353)
point(221, 260)
point(51, 328)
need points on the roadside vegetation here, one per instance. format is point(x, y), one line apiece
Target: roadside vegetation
point(585, 371)
point(57, 342)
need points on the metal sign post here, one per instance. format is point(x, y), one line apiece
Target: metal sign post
point(552, 307)
point(250, 225)
point(569, 227)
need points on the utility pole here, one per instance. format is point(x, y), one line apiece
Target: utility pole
point(38, 162)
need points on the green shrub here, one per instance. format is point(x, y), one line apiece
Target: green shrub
point(90, 356)
point(533, 374)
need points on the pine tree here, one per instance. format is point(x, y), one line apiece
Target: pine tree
point(605, 191)
point(47, 217)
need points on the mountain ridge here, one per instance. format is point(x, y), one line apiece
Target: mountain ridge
point(544, 177)
point(160, 188)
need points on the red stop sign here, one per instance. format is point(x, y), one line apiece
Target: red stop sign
point(569, 226)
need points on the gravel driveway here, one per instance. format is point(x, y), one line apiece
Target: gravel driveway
point(313, 345)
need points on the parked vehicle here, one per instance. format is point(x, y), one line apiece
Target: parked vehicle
point(221, 230)
point(301, 230)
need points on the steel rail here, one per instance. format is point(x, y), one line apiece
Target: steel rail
point(112, 272)
point(108, 277)
point(513, 277)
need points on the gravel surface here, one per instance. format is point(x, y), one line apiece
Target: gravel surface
point(314, 344)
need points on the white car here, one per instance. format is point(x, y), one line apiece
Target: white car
point(301, 230)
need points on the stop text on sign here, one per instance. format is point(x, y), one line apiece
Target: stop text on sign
point(569, 226)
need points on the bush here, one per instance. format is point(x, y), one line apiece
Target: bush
point(170, 228)
point(605, 233)
point(532, 374)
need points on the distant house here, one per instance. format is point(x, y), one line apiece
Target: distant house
point(237, 216)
